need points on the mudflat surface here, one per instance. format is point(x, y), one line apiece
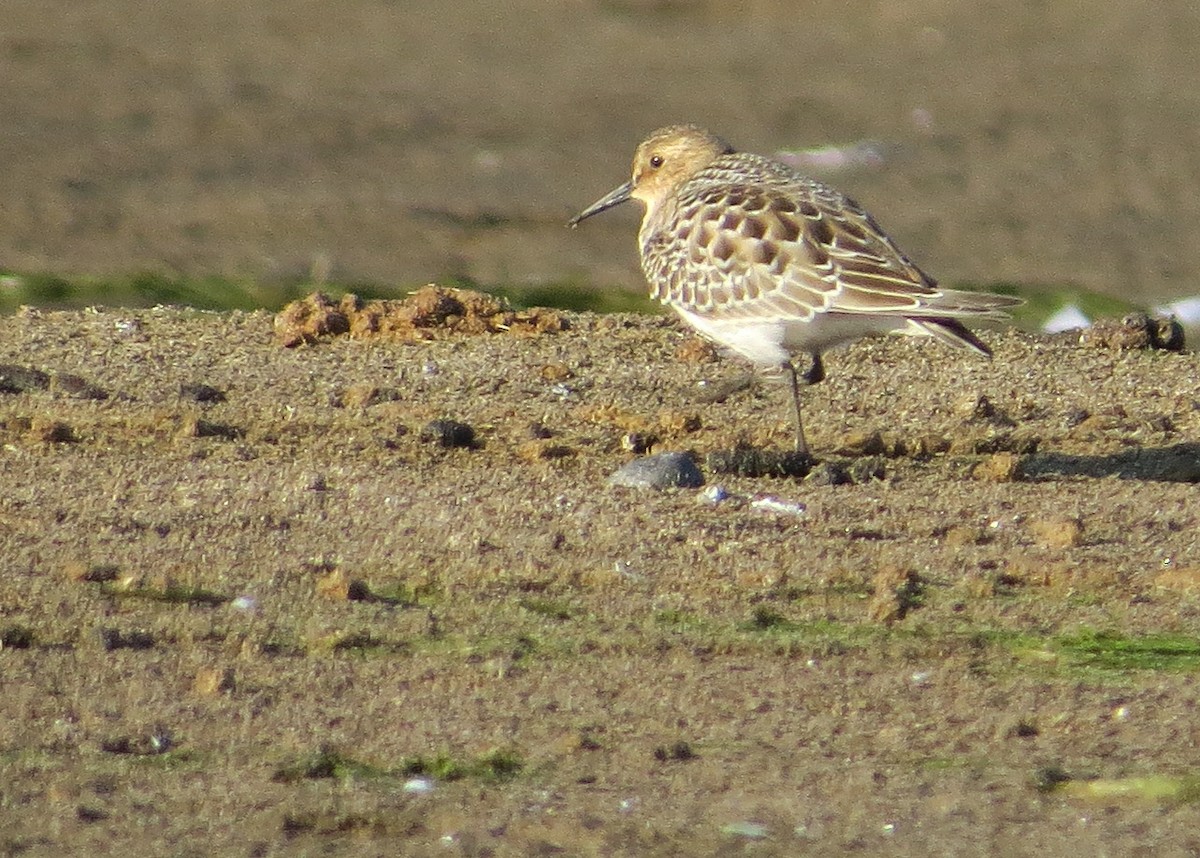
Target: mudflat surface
point(406, 143)
point(272, 618)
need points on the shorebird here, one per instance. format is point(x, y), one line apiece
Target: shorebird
point(771, 263)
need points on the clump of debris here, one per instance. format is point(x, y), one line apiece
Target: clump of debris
point(426, 314)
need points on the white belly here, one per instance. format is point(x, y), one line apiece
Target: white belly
point(771, 342)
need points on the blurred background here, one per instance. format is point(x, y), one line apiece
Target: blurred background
point(227, 149)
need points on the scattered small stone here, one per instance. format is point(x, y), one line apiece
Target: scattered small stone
point(448, 433)
point(50, 431)
point(1022, 729)
point(1075, 416)
point(925, 446)
point(205, 394)
point(85, 813)
point(76, 386)
point(660, 471)
point(539, 431)
point(677, 752)
point(1057, 532)
point(555, 372)
point(999, 468)
point(197, 427)
point(336, 585)
point(22, 379)
point(638, 443)
point(753, 462)
point(862, 444)
point(113, 639)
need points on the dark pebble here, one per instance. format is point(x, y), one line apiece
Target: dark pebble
point(448, 433)
point(112, 639)
point(16, 637)
point(679, 752)
point(209, 429)
point(638, 443)
point(203, 393)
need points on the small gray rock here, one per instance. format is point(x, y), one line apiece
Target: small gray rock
point(660, 471)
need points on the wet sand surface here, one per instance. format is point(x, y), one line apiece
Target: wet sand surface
point(250, 607)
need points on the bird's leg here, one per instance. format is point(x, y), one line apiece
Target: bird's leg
point(801, 443)
point(813, 375)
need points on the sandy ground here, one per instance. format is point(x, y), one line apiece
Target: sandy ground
point(408, 143)
point(250, 608)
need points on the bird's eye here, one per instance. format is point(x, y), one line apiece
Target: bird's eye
point(656, 161)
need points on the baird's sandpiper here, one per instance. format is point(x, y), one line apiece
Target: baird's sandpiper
point(770, 263)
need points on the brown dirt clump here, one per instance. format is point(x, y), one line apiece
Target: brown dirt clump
point(427, 313)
